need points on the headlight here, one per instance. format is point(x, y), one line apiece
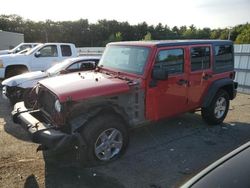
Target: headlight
point(58, 106)
point(1, 63)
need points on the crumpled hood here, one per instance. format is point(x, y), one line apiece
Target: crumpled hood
point(22, 78)
point(84, 85)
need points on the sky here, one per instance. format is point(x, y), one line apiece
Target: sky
point(201, 13)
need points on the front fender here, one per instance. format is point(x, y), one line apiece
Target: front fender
point(81, 119)
point(25, 80)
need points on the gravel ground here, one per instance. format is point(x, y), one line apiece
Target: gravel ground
point(160, 155)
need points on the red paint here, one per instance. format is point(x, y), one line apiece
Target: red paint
point(166, 99)
point(84, 86)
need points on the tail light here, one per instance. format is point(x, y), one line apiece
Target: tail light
point(232, 75)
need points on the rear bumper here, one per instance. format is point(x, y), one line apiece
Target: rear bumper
point(42, 133)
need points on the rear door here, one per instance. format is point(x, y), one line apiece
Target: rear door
point(200, 76)
point(168, 97)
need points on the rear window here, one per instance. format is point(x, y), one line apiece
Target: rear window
point(224, 59)
point(66, 50)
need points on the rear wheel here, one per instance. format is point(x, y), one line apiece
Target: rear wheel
point(106, 137)
point(216, 112)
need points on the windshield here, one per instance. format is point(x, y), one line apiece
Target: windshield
point(130, 59)
point(18, 46)
point(58, 67)
point(33, 49)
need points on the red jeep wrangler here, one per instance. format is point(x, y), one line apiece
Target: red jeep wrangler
point(135, 83)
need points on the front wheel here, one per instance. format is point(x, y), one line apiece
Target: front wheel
point(106, 137)
point(216, 112)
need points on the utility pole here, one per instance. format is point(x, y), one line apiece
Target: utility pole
point(229, 33)
point(46, 36)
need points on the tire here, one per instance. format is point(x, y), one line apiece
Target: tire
point(59, 159)
point(10, 72)
point(15, 71)
point(216, 112)
point(102, 147)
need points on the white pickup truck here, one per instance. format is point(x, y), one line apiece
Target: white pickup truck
point(42, 57)
point(20, 47)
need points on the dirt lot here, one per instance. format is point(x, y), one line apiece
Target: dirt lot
point(161, 155)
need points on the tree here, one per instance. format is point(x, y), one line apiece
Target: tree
point(244, 36)
point(190, 33)
point(114, 38)
point(147, 36)
point(82, 33)
point(118, 36)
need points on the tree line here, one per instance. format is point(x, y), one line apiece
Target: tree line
point(85, 34)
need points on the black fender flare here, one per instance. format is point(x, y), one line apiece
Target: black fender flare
point(78, 122)
point(228, 84)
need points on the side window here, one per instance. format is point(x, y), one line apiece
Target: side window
point(73, 67)
point(200, 58)
point(172, 60)
point(223, 58)
point(82, 65)
point(66, 50)
point(49, 51)
point(23, 47)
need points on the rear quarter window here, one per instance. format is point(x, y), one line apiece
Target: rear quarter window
point(66, 50)
point(224, 58)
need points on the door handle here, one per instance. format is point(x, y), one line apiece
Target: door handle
point(206, 76)
point(182, 82)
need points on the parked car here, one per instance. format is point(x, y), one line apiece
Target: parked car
point(42, 57)
point(18, 87)
point(18, 48)
point(135, 83)
point(232, 170)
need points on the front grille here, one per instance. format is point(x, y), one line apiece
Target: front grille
point(46, 101)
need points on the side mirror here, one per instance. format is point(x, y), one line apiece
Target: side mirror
point(37, 54)
point(159, 74)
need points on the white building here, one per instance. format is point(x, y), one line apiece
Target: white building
point(9, 40)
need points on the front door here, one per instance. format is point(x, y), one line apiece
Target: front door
point(46, 57)
point(168, 97)
point(200, 75)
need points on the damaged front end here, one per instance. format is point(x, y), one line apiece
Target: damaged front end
point(49, 136)
point(13, 93)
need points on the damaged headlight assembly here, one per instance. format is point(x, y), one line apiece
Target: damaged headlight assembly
point(58, 106)
point(37, 89)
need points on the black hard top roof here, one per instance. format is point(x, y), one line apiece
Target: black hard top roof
point(162, 43)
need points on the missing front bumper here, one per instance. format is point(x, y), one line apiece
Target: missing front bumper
point(42, 133)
